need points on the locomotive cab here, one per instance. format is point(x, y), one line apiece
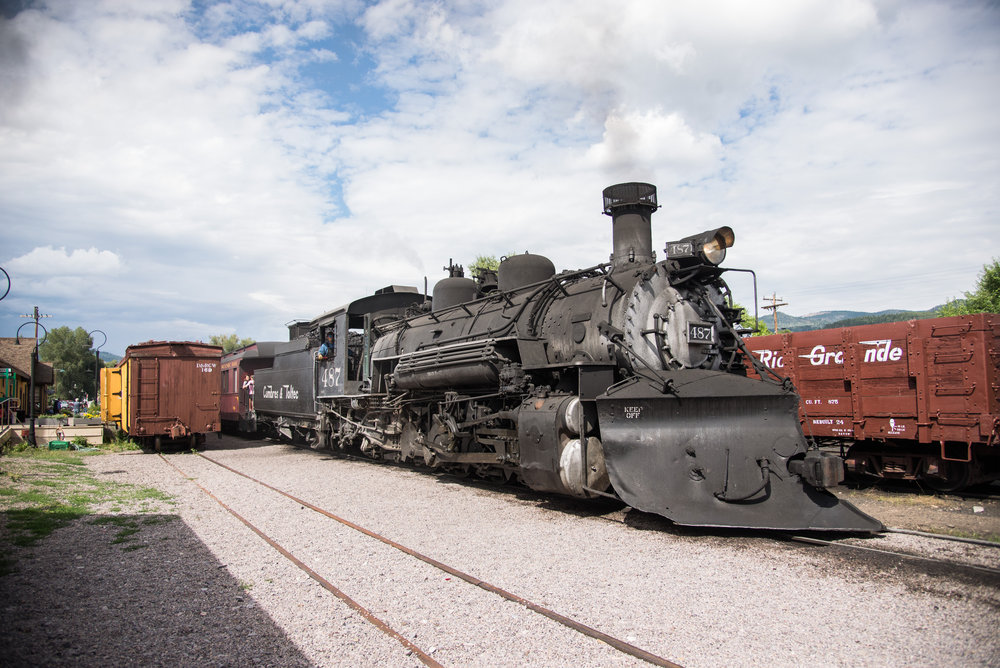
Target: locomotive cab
point(355, 328)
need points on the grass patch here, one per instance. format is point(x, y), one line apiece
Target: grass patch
point(120, 443)
point(29, 525)
point(116, 520)
point(56, 456)
point(43, 490)
point(123, 535)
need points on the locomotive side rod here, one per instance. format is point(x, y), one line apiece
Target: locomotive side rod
point(617, 643)
point(326, 584)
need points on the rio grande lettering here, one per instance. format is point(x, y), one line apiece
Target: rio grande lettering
point(883, 351)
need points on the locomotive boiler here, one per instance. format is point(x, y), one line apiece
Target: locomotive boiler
point(625, 379)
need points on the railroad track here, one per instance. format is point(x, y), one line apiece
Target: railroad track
point(905, 556)
point(838, 543)
point(424, 656)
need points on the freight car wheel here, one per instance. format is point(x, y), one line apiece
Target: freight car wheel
point(951, 477)
point(157, 443)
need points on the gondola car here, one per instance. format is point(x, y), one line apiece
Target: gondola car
point(916, 400)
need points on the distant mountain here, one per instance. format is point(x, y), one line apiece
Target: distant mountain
point(109, 358)
point(833, 319)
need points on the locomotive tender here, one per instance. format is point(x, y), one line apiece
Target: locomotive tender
point(625, 379)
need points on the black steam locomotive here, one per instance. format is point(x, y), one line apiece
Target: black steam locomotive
point(624, 379)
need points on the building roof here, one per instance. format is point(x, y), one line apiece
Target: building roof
point(18, 357)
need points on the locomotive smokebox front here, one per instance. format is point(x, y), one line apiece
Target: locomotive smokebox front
point(631, 206)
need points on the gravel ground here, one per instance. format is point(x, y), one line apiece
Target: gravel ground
point(199, 588)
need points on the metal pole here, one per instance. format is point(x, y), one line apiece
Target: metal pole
point(97, 364)
point(31, 373)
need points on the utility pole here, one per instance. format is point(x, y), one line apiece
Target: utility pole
point(34, 368)
point(773, 306)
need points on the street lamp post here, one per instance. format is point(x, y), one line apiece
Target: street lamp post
point(34, 364)
point(97, 364)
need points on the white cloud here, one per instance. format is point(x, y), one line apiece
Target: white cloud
point(48, 261)
point(850, 144)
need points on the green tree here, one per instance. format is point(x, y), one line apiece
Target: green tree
point(490, 262)
point(229, 342)
point(69, 352)
point(484, 262)
point(756, 325)
point(984, 299)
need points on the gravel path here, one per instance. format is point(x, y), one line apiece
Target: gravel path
point(208, 591)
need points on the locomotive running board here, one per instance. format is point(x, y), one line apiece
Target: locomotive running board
point(705, 448)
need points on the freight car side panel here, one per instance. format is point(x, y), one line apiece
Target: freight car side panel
point(925, 380)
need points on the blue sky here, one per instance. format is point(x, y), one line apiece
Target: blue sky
point(174, 169)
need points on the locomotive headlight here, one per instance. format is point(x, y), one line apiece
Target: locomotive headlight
point(708, 247)
point(714, 249)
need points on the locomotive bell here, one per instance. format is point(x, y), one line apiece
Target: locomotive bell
point(630, 206)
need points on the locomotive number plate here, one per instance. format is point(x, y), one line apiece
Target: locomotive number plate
point(700, 333)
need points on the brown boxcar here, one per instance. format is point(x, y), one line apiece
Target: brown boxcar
point(916, 400)
point(165, 390)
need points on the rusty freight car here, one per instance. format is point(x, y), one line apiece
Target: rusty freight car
point(164, 390)
point(916, 400)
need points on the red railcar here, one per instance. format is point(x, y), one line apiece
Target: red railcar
point(238, 368)
point(917, 400)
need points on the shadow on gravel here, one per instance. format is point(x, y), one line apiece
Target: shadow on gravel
point(119, 590)
point(233, 442)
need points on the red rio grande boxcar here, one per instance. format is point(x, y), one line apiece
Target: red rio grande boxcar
point(916, 400)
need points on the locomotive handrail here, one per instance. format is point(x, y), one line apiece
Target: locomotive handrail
point(449, 346)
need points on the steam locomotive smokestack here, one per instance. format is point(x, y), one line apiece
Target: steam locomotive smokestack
point(630, 206)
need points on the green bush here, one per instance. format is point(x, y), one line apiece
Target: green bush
point(10, 447)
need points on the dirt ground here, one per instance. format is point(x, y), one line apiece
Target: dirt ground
point(972, 515)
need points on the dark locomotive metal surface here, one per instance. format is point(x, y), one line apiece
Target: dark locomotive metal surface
point(714, 450)
point(287, 388)
point(515, 376)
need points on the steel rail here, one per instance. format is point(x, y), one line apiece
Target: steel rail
point(326, 584)
point(943, 536)
point(620, 645)
point(892, 553)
